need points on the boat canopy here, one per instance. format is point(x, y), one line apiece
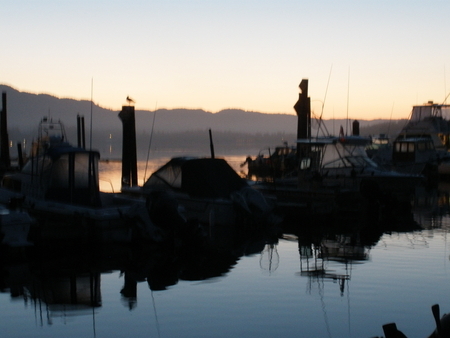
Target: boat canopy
point(427, 111)
point(198, 177)
point(336, 152)
point(65, 174)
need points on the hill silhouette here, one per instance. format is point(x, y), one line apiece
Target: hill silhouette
point(186, 128)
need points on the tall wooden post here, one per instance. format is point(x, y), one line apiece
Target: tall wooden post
point(78, 131)
point(129, 152)
point(303, 110)
point(4, 139)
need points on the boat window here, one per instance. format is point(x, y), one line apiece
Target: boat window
point(305, 163)
point(60, 172)
point(410, 147)
point(420, 113)
point(169, 174)
point(83, 172)
point(444, 139)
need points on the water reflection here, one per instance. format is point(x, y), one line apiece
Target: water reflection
point(332, 255)
point(66, 279)
point(431, 206)
point(343, 249)
point(55, 284)
point(63, 281)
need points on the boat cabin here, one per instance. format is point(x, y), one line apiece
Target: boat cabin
point(64, 175)
point(429, 121)
point(57, 171)
point(413, 150)
point(282, 162)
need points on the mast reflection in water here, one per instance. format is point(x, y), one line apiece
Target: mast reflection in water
point(318, 278)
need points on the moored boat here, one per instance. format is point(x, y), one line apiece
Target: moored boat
point(343, 162)
point(423, 144)
point(334, 172)
point(205, 190)
point(279, 162)
point(208, 190)
point(59, 186)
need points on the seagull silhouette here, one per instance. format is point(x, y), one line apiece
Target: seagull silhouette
point(130, 100)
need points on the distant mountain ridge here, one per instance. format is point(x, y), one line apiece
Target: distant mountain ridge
point(25, 111)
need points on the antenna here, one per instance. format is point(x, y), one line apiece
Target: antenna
point(445, 84)
point(90, 132)
point(446, 98)
point(323, 103)
point(348, 97)
point(390, 119)
point(326, 91)
point(150, 142)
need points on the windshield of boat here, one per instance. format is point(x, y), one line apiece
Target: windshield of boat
point(350, 162)
point(341, 155)
point(430, 110)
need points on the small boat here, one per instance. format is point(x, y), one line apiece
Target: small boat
point(280, 162)
point(207, 190)
point(422, 146)
point(343, 162)
point(59, 186)
point(334, 171)
point(417, 155)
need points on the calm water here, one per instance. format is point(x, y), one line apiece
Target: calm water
point(319, 280)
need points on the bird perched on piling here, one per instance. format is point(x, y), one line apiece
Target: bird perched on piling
point(130, 100)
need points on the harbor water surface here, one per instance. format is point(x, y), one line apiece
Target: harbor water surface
point(316, 280)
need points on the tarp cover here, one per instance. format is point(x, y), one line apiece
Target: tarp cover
point(199, 177)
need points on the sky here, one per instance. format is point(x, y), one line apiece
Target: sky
point(364, 59)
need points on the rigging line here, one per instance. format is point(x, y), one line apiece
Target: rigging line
point(348, 299)
point(93, 322)
point(90, 132)
point(94, 295)
point(445, 100)
point(445, 84)
point(150, 142)
point(156, 314)
point(323, 102)
point(348, 97)
point(390, 119)
point(321, 286)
